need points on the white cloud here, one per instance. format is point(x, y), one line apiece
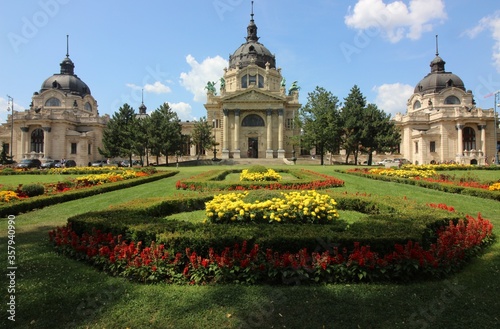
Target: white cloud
point(396, 20)
point(183, 110)
point(211, 69)
point(155, 88)
point(492, 23)
point(392, 98)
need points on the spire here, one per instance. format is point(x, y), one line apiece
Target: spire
point(142, 108)
point(252, 29)
point(437, 64)
point(67, 66)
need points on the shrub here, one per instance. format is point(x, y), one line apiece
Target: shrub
point(257, 169)
point(32, 190)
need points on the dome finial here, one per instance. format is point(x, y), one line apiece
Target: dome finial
point(67, 45)
point(437, 51)
point(251, 15)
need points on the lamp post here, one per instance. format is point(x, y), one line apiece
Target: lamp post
point(496, 127)
point(215, 144)
point(11, 100)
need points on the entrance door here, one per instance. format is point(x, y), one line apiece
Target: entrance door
point(253, 147)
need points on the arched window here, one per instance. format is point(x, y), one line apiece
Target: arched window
point(469, 139)
point(257, 80)
point(253, 120)
point(452, 100)
point(37, 140)
point(53, 102)
point(88, 107)
point(417, 105)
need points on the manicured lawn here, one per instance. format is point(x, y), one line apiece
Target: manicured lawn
point(53, 291)
point(15, 180)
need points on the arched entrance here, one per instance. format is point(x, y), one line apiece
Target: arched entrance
point(253, 147)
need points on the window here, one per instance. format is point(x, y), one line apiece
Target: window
point(469, 139)
point(416, 105)
point(37, 140)
point(73, 148)
point(88, 107)
point(244, 82)
point(416, 147)
point(253, 120)
point(53, 102)
point(452, 100)
point(89, 149)
point(289, 123)
point(247, 80)
point(433, 147)
point(6, 148)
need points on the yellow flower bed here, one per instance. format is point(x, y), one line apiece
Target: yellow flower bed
point(292, 207)
point(80, 169)
point(7, 196)
point(494, 187)
point(269, 175)
point(404, 173)
point(443, 166)
point(95, 179)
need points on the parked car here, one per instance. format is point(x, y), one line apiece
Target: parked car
point(402, 161)
point(99, 163)
point(126, 163)
point(66, 164)
point(50, 164)
point(383, 162)
point(29, 163)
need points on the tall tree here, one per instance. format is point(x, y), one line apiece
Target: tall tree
point(164, 132)
point(379, 133)
point(119, 136)
point(319, 122)
point(351, 117)
point(202, 135)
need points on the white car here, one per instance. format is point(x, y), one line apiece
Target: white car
point(383, 162)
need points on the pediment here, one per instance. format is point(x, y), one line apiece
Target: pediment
point(252, 95)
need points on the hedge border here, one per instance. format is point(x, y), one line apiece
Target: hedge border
point(48, 200)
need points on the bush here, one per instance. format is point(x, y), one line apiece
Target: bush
point(32, 190)
point(257, 169)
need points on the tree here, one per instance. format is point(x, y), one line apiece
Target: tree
point(202, 135)
point(351, 117)
point(119, 136)
point(319, 120)
point(379, 133)
point(164, 132)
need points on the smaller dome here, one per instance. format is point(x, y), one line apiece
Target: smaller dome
point(67, 80)
point(438, 79)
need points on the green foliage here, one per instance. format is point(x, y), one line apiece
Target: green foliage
point(202, 135)
point(164, 132)
point(32, 190)
point(262, 195)
point(257, 169)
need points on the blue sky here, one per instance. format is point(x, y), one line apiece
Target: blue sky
point(172, 48)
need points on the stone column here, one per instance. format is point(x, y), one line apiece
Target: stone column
point(269, 123)
point(236, 153)
point(482, 128)
point(46, 142)
point(281, 150)
point(460, 142)
point(24, 140)
point(225, 134)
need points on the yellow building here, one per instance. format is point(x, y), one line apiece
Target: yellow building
point(253, 116)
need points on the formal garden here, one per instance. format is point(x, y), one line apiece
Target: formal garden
point(257, 247)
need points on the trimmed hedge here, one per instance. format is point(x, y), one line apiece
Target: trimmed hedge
point(39, 202)
point(385, 226)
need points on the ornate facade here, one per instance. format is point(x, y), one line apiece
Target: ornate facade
point(61, 123)
point(442, 123)
point(253, 117)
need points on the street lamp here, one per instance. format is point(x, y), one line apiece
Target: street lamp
point(11, 100)
point(496, 126)
point(215, 144)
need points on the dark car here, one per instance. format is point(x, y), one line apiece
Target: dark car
point(29, 163)
point(99, 163)
point(50, 164)
point(66, 163)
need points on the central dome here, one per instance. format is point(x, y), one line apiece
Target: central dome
point(252, 51)
point(438, 79)
point(66, 81)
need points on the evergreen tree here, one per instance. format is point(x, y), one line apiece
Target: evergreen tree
point(202, 135)
point(119, 136)
point(351, 117)
point(319, 119)
point(164, 132)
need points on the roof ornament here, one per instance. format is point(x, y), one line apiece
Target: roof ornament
point(437, 51)
point(67, 45)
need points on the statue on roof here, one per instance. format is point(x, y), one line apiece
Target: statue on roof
point(293, 88)
point(222, 83)
point(283, 82)
point(210, 87)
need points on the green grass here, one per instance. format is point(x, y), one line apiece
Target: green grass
point(57, 292)
point(15, 180)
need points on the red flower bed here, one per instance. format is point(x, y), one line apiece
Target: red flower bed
point(455, 244)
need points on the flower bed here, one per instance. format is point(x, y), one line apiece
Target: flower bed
point(455, 244)
point(291, 207)
point(269, 175)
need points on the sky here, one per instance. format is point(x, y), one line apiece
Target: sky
point(170, 49)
